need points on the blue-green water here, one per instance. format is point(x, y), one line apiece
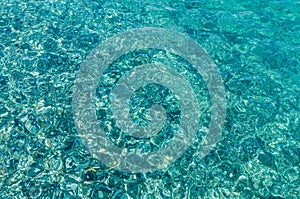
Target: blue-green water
point(255, 45)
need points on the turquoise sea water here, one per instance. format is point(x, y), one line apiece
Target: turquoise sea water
point(255, 45)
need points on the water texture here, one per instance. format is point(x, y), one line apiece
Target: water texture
point(255, 45)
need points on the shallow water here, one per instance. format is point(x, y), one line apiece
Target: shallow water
point(255, 46)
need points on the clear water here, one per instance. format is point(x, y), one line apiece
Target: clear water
point(255, 45)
